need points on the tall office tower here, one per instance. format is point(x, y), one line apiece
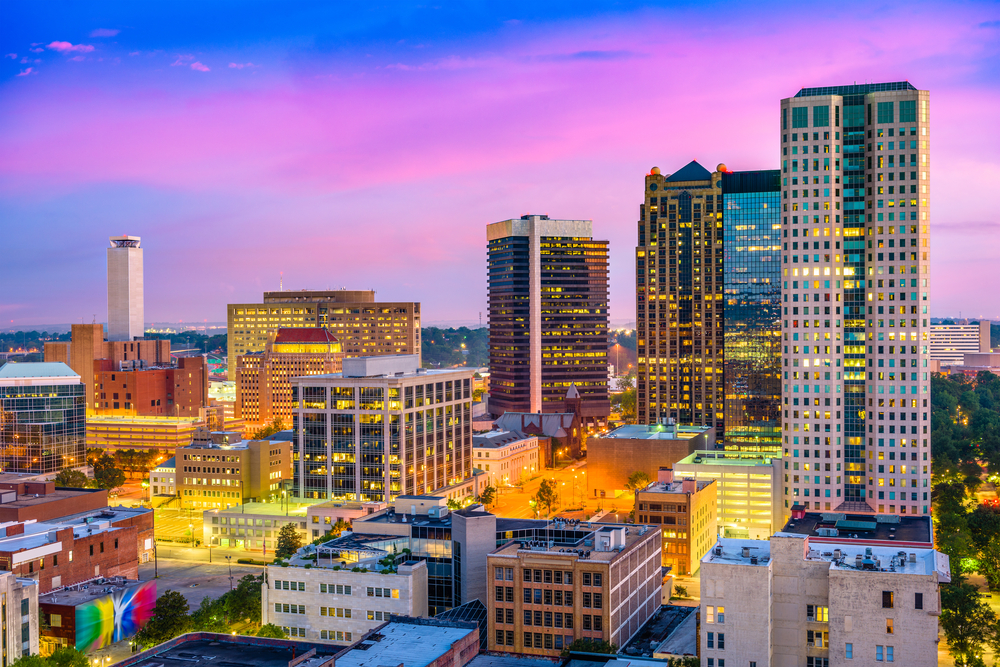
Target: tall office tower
point(125, 300)
point(751, 242)
point(679, 307)
point(855, 298)
point(548, 315)
point(363, 326)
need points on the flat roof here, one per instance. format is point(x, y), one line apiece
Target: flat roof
point(677, 486)
point(655, 432)
point(511, 660)
point(408, 643)
point(578, 542)
point(61, 493)
point(269, 509)
point(36, 369)
point(495, 439)
point(867, 527)
point(720, 457)
point(85, 593)
point(222, 651)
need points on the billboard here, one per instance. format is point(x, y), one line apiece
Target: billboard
point(114, 617)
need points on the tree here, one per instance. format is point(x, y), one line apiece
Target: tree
point(967, 622)
point(94, 453)
point(289, 541)
point(488, 496)
point(243, 602)
point(269, 430)
point(680, 591)
point(587, 645)
point(338, 528)
point(210, 616)
point(170, 619)
point(984, 529)
point(106, 473)
point(272, 631)
point(454, 504)
point(546, 494)
point(686, 661)
point(71, 478)
point(952, 524)
point(638, 480)
point(62, 657)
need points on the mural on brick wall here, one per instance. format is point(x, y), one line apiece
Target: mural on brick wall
point(114, 617)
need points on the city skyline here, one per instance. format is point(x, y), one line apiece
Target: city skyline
point(242, 149)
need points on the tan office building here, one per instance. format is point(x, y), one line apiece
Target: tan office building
point(363, 326)
point(222, 474)
point(685, 512)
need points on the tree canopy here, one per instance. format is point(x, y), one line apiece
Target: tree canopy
point(289, 541)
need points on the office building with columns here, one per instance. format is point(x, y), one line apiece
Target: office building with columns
point(125, 295)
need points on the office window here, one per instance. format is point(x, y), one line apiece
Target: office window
point(918, 601)
point(722, 641)
point(711, 640)
point(878, 653)
point(887, 599)
point(720, 615)
point(498, 573)
point(849, 651)
point(800, 117)
point(888, 654)
point(888, 626)
point(500, 637)
point(710, 614)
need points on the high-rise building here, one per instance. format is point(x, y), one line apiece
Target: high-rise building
point(382, 428)
point(43, 418)
point(130, 388)
point(548, 315)
point(263, 379)
point(951, 342)
point(363, 326)
point(125, 296)
point(855, 189)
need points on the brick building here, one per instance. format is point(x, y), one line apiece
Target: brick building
point(130, 389)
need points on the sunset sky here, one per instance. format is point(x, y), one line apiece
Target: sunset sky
point(369, 147)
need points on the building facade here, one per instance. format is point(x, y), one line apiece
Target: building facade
point(748, 486)
point(18, 617)
point(507, 457)
point(784, 601)
point(43, 411)
point(252, 526)
point(163, 478)
point(363, 326)
point(684, 511)
point(230, 474)
point(951, 342)
point(125, 289)
point(855, 187)
point(382, 428)
point(131, 389)
point(341, 606)
point(548, 316)
point(263, 379)
point(601, 585)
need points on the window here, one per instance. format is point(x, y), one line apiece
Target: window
point(887, 595)
point(597, 578)
point(498, 573)
point(586, 600)
point(918, 600)
point(710, 614)
point(498, 590)
point(720, 615)
point(722, 641)
point(527, 640)
point(500, 637)
point(598, 623)
point(888, 654)
point(527, 595)
point(599, 601)
point(878, 653)
point(586, 578)
point(888, 626)
point(885, 112)
point(800, 117)
point(711, 640)
point(849, 651)
point(817, 613)
point(821, 116)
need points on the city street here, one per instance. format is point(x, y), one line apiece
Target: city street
point(178, 525)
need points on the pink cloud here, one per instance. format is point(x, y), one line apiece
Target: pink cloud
point(66, 47)
point(104, 32)
point(182, 59)
point(12, 56)
point(199, 67)
point(78, 58)
point(27, 72)
point(240, 65)
point(36, 49)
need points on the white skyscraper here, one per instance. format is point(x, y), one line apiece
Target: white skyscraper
point(125, 309)
point(855, 164)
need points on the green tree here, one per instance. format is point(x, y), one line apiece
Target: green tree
point(686, 661)
point(454, 504)
point(546, 494)
point(967, 621)
point(271, 630)
point(488, 496)
point(170, 619)
point(984, 529)
point(587, 645)
point(680, 591)
point(289, 541)
point(94, 453)
point(62, 657)
point(71, 478)
point(210, 616)
point(106, 473)
point(951, 524)
point(337, 529)
point(638, 480)
point(269, 430)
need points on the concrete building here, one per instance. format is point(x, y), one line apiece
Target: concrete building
point(383, 427)
point(125, 289)
point(975, 362)
point(19, 617)
point(338, 605)
point(163, 478)
point(252, 526)
point(856, 248)
point(230, 471)
point(748, 487)
point(613, 456)
point(951, 342)
point(322, 517)
point(684, 511)
point(263, 379)
point(793, 600)
point(131, 388)
point(162, 434)
point(363, 326)
point(42, 418)
point(218, 648)
point(601, 583)
point(548, 315)
point(507, 457)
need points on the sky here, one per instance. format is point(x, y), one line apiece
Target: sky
point(368, 145)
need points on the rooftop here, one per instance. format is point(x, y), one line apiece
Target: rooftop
point(889, 529)
point(270, 509)
point(677, 486)
point(74, 595)
point(170, 464)
point(494, 439)
point(856, 89)
point(655, 432)
point(512, 660)
point(728, 458)
point(581, 541)
point(409, 642)
point(692, 171)
point(220, 650)
point(36, 369)
point(304, 335)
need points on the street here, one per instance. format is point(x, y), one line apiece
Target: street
point(178, 525)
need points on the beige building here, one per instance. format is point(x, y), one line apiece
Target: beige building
point(163, 434)
point(253, 526)
point(788, 601)
point(19, 616)
point(684, 511)
point(163, 479)
point(363, 326)
point(507, 457)
point(338, 605)
point(263, 379)
point(951, 342)
point(125, 289)
point(225, 473)
point(748, 487)
point(601, 583)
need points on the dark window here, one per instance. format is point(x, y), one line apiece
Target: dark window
point(91, 549)
point(887, 599)
point(499, 593)
point(918, 600)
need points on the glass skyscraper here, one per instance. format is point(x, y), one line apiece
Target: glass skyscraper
point(43, 418)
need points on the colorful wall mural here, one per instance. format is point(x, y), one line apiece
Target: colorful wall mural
point(113, 617)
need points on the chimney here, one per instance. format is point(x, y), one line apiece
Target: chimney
point(665, 476)
point(689, 486)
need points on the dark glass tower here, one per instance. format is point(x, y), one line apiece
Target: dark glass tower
point(548, 314)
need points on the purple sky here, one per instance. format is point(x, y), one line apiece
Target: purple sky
point(370, 149)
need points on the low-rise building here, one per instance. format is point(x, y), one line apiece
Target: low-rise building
point(796, 600)
point(684, 511)
point(507, 457)
point(162, 478)
point(227, 471)
point(161, 434)
point(613, 456)
point(326, 602)
point(950, 342)
point(95, 615)
point(748, 488)
point(599, 582)
point(252, 526)
point(322, 517)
